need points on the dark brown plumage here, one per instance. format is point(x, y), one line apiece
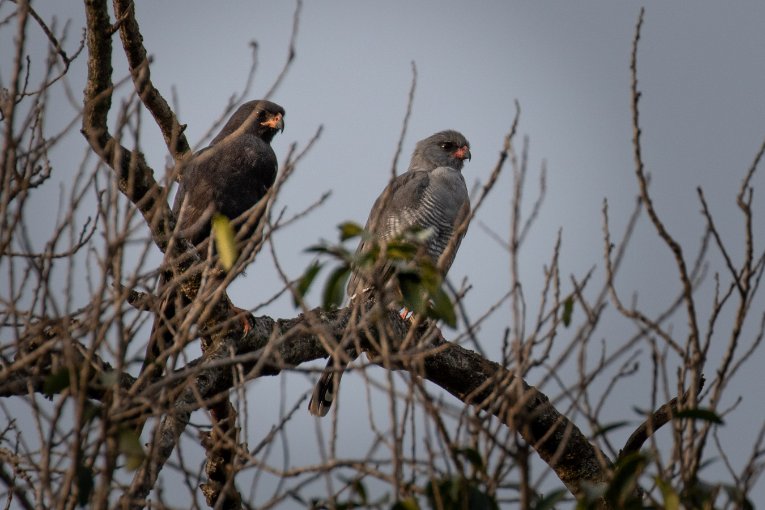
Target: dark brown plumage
point(233, 173)
point(228, 177)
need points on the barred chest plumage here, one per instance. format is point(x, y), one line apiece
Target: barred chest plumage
point(435, 209)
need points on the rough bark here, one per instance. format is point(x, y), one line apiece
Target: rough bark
point(276, 344)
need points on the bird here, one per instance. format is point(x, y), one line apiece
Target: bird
point(229, 176)
point(431, 196)
point(233, 173)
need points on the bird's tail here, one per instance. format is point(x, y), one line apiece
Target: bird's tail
point(326, 387)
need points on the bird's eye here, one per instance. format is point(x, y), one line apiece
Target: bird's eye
point(447, 146)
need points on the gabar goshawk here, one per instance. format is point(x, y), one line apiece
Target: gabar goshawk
point(430, 196)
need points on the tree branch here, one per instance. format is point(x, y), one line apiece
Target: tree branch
point(132, 43)
point(658, 419)
point(135, 178)
point(274, 345)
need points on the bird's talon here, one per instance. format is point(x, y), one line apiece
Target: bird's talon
point(248, 324)
point(246, 320)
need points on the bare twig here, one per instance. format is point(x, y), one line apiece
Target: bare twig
point(132, 42)
point(670, 241)
point(654, 422)
point(405, 123)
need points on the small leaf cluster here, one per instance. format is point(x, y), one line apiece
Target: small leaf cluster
point(128, 442)
point(400, 262)
point(462, 492)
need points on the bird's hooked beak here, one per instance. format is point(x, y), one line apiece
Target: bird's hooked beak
point(275, 122)
point(462, 153)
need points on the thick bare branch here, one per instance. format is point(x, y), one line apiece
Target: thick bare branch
point(275, 345)
point(134, 177)
point(221, 445)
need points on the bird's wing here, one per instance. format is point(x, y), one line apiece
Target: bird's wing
point(194, 199)
point(244, 168)
point(386, 219)
point(436, 201)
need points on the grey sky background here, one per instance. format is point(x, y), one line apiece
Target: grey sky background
point(701, 71)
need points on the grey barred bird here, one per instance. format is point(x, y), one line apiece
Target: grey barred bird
point(432, 196)
point(228, 177)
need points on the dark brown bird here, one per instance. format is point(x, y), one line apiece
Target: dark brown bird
point(431, 195)
point(228, 177)
point(233, 173)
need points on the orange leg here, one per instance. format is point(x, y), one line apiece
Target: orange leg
point(246, 320)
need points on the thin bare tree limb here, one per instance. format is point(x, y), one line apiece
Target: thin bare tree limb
point(138, 61)
point(654, 422)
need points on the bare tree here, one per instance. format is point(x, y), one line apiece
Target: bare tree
point(463, 431)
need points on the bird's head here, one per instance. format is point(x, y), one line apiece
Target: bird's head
point(260, 117)
point(445, 148)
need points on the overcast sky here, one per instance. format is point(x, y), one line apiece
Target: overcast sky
point(702, 74)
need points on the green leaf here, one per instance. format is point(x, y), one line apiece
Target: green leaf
point(605, 429)
point(334, 289)
point(430, 275)
point(130, 447)
point(225, 241)
point(406, 504)
point(568, 310)
point(471, 455)
point(326, 249)
point(549, 501)
point(671, 499)
point(367, 258)
point(400, 250)
point(318, 248)
point(56, 382)
point(349, 230)
point(625, 478)
point(412, 292)
point(306, 280)
point(700, 413)
point(443, 309)
point(85, 484)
